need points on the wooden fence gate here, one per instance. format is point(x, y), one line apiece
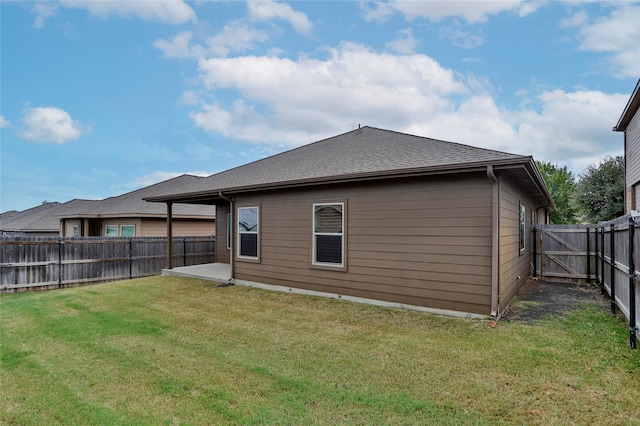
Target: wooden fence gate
point(564, 252)
point(607, 253)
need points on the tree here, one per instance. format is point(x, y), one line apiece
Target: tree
point(562, 187)
point(600, 191)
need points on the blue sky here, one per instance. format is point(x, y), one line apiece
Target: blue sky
point(98, 98)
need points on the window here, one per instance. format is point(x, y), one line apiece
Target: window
point(328, 234)
point(248, 232)
point(76, 230)
point(112, 230)
point(128, 231)
point(522, 227)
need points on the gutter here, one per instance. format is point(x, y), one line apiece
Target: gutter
point(232, 242)
point(495, 240)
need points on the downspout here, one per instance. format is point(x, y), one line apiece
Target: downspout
point(495, 240)
point(232, 245)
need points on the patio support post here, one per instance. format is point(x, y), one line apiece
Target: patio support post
point(169, 235)
point(534, 249)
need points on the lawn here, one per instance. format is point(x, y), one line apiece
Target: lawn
point(165, 350)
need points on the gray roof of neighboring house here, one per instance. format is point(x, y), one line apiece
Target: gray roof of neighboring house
point(364, 153)
point(46, 217)
point(132, 204)
point(35, 219)
point(630, 110)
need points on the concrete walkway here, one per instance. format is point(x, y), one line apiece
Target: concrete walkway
point(217, 272)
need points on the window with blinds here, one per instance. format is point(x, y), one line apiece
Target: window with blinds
point(328, 234)
point(248, 232)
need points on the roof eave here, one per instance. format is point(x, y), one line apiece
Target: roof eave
point(135, 216)
point(630, 110)
point(353, 177)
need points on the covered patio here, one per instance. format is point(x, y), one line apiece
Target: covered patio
point(217, 272)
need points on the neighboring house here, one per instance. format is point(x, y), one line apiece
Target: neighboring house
point(128, 215)
point(382, 216)
point(629, 123)
point(125, 215)
point(35, 222)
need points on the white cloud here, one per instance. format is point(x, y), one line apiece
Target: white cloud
point(43, 11)
point(459, 37)
point(284, 102)
point(4, 122)
point(234, 37)
point(288, 102)
point(572, 125)
point(51, 124)
point(269, 9)
point(471, 11)
point(617, 34)
point(405, 43)
point(166, 11)
point(178, 47)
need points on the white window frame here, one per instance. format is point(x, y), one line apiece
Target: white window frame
point(241, 232)
point(315, 234)
point(522, 229)
point(111, 227)
point(128, 226)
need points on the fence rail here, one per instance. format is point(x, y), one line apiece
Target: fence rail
point(53, 262)
point(606, 252)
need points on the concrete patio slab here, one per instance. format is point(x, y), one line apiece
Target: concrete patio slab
point(217, 272)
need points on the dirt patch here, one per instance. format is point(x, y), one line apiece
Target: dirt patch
point(538, 299)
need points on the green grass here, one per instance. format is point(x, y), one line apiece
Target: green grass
point(165, 350)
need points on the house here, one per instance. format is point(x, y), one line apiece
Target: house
point(35, 222)
point(125, 215)
point(629, 123)
point(382, 217)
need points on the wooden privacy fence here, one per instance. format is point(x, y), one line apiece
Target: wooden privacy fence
point(606, 253)
point(53, 262)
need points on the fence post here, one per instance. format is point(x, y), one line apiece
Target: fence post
point(130, 258)
point(612, 284)
point(184, 252)
point(595, 252)
point(632, 290)
point(534, 243)
point(59, 262)
point(588, 255)
point(602, 259)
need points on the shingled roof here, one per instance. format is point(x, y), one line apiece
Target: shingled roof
point(36, 219)
point(364, 153)
point(46, 217)
point(132, 204)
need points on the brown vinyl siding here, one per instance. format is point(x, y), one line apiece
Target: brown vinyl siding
point(513, 263)
point(181, 228)
point(632, 140)
point(423, 242)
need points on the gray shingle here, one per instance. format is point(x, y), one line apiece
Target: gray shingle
point(363, 151)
